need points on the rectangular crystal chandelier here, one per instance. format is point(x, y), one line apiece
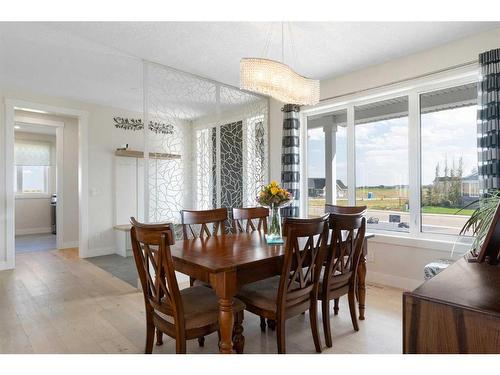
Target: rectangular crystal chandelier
point(277, 80)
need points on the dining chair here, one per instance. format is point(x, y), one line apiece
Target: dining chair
point(259, 214)
point(190, 219)
point(334, 209)
point(186, 314)
point(339, 276)
point(296, 289)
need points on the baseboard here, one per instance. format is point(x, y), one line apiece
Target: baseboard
point(22, 232)
point(392, 280)
point(6, 266)
point(69, 244)
point(100, 252)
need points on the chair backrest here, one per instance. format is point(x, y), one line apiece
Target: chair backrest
point(350, 210)
point(305, 249)
point(191, 219)
point(259, 214)
point(345, 248)
point(151, 247)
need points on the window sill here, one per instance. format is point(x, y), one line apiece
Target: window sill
point(447, 244)
point(33, 196)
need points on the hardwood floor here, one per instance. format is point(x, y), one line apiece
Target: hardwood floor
point(54, 302)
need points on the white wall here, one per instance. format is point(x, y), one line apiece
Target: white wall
point(33, 214)
point(103, 139)
point(399, 265)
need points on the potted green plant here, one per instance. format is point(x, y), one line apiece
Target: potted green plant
point(480, 220)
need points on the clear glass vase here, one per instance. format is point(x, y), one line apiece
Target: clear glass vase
point(274, 225)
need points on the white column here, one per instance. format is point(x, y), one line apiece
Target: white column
point(330, 130)
point(145, 86)
point(217, 145)
point(351, 156)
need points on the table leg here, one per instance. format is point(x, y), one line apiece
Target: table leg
point(224, 285)
point(362, 284)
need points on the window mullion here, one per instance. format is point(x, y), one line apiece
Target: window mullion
point(414, 150)
point(351, 157)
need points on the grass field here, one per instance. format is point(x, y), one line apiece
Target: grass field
point(389, 199)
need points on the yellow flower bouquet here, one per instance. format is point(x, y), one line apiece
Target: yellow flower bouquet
point(274, 197)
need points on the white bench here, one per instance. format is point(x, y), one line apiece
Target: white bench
point(122, 240)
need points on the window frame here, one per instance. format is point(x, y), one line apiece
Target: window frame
point(19, 194)
point(412, 88)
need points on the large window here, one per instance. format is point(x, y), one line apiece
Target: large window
point(327, 161)
point(31, 180)
point(33, 160)
point(410, 155)
point(450, 184)
point(381, 130)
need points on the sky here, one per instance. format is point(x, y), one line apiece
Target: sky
point(382, 148)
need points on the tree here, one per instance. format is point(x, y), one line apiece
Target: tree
point(446, 190)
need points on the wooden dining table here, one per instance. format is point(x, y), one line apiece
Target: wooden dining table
point(229, 261)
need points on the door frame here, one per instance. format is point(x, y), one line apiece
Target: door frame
point(10, 106)
point(59, 125)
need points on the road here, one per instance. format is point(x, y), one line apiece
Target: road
point(433, 223)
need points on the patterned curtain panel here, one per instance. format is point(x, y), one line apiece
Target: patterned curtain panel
point(489, 121)
point(290, 159)
point(231, 167)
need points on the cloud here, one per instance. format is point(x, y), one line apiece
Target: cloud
point(382, 147)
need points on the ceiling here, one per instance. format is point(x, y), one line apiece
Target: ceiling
point(100, 62)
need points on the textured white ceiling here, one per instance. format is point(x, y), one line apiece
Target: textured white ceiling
point(100, 61)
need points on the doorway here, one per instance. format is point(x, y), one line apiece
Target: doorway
point(67, 182)
point(38, 165)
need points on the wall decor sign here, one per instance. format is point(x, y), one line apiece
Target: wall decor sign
point(137, 124)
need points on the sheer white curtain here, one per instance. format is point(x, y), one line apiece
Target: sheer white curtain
point(33, 153)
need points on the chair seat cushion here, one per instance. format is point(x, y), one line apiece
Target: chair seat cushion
point(261, 294)
point(201, 307)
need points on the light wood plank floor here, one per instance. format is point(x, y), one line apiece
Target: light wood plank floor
point(54, 302)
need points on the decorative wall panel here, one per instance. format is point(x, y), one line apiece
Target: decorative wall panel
point(231, 165)
point(220, 132)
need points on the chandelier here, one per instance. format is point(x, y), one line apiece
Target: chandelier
point(278, 80)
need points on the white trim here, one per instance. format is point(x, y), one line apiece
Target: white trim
point(414, 167)
point(22, 232)
point(10, 106)
point(451, 78)
point(31, 196)
point(351, 156)
point(69, 245)
point(60, 185)
point(303, 154)
point(101, 251)
point(392, 280)
point(10, 247)
point(412, 88)
point(35, 121)
point(435, 242)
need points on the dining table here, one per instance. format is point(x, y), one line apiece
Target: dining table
point(229, 261)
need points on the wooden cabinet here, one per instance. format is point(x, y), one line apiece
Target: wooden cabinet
point(457, 311)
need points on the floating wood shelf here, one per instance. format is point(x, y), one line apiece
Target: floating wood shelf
point(140, 155)
point(123, 227)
